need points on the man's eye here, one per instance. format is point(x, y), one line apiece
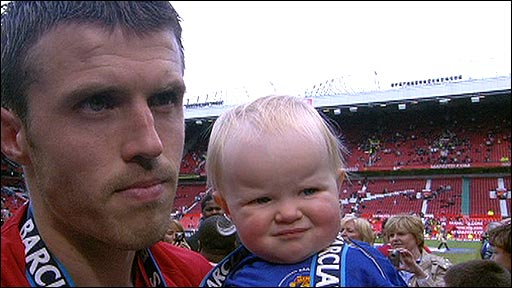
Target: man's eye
point(97, 103)
point(162, 99)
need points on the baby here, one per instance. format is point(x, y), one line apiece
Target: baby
point(276, 167)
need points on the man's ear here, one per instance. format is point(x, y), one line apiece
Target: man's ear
point(14, 142)
point(221, 201)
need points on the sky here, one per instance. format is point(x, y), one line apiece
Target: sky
point(254, 48)
point(262, 47)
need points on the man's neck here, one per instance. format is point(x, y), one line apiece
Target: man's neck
point(88, 262)
point(98, 267)
point(110, 270)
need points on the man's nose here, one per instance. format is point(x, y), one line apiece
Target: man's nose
point(143, 140)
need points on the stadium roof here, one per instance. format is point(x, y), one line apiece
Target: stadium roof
point(435, 91)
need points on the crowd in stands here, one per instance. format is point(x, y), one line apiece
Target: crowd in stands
point(12, 199)
point(193, 163)
point(427, 137)
point(398, 140)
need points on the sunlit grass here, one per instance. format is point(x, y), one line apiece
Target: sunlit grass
point(456, 258)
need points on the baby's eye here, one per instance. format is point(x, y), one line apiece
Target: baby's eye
point(309, 191)
point(261, 200)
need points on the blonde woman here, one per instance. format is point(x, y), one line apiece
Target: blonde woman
point(418, 268)
point(176, 234)
point(353, 227)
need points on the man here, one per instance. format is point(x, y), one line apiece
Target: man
point(92, 109)
point(443, 240)
point(208, 208)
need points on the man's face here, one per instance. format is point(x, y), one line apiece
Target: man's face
point(105, 134)
point(212, 208)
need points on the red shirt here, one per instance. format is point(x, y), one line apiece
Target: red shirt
point(384, 249)
point(179, 267)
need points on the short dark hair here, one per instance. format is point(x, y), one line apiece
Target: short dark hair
point(477, 273)
point(217, 233)
point(25, 22)
point(208, 197)
point(500, 236)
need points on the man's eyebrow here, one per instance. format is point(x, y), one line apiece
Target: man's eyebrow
point(174, 86)
point(83, 91)
point(86, 90)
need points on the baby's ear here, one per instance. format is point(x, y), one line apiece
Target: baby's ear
point(221, 201)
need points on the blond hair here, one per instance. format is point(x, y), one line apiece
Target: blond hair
point(270, 115)
point(362, 226)
point(177, 224)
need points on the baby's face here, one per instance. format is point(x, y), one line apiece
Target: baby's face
point(282, 195)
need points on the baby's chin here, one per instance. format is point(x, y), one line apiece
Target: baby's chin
point(292, 249)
